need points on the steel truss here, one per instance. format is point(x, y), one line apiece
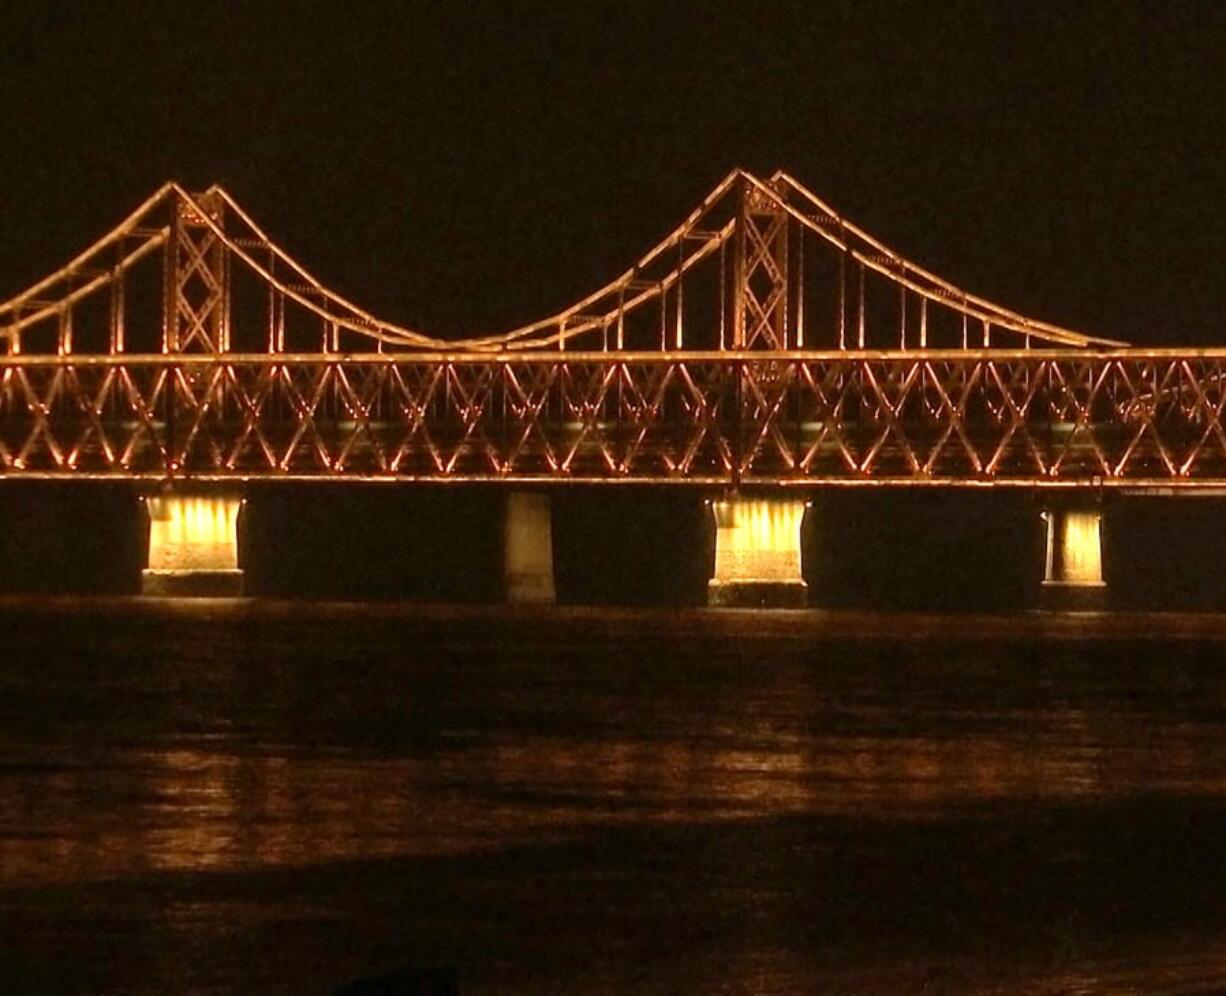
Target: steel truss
point(765, 341)
point(1031, 418)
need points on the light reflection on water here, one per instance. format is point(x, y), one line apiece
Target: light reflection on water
point(195, 809)
point(742, 802)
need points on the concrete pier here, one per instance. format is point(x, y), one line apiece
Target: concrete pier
point(757, 553)
point(193, 545)
point(1073, 572)
point(528, 549)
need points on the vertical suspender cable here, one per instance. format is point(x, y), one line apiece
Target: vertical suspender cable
point(860, 331)
point(800, 287)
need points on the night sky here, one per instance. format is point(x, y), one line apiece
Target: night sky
point(468, 168)
point(473, 167)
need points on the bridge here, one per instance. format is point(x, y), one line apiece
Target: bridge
point(766, 347)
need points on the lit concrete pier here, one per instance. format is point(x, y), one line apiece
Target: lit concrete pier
point(1073, 574)
point(193, 545)
point(528, 548)
point(757, 553)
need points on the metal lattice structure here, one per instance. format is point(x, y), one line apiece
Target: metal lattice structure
point(766, 341)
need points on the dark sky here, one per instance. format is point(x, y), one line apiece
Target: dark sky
point(473, 166)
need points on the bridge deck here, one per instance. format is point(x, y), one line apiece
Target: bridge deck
point(1042, 418)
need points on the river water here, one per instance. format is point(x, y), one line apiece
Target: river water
point(285, 797)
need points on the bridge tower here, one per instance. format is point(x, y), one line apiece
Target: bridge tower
point(760, 265)
point(197, 285)
point(193, 532)
point(757, 539)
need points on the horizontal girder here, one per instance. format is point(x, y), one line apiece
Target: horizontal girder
point(1049, 418)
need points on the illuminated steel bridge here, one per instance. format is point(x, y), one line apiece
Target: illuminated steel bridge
point(766, 343)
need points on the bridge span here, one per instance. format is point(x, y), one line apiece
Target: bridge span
point(767, 347)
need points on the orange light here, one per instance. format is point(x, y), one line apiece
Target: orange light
point(758, 539)
point(193, 533)
point(1074, 548)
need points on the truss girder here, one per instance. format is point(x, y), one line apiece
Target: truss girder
point(735, 419)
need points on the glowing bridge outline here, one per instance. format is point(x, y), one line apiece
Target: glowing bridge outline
point(766, 341)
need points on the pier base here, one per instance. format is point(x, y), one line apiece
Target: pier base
point(528, 546)
point(1073, 577)
point(757, 554)
point(193, 545)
